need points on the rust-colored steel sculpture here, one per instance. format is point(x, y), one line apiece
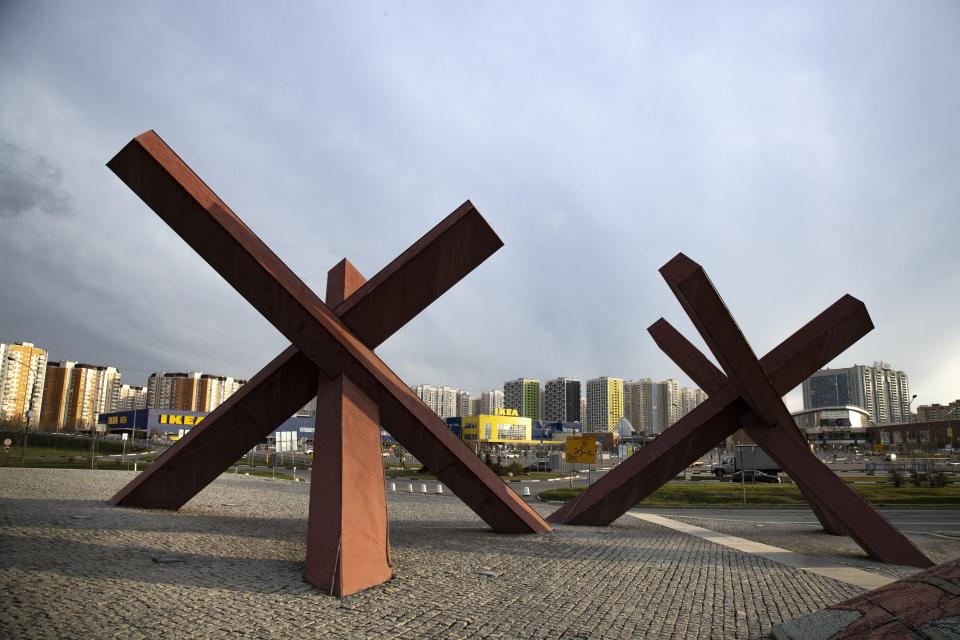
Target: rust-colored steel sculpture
point(346, 488)
point(326, 344)
point(374, 312)
point(750, 398)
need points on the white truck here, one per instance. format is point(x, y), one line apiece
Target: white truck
point(743, 457)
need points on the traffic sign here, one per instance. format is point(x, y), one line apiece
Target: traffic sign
point(582, 450)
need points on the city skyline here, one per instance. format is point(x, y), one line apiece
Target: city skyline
point(797, 152)
point(475, 396)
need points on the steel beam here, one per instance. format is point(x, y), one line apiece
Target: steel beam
point(378, 308)
point(348, 543)
point(712, 380)
point(792, 361)
point(165, 183)
point(770, 424)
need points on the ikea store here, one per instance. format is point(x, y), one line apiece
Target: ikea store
point(171, 424)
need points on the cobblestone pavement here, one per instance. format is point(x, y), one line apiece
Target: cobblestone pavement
point(925, 605)
point(230, 564)
point(812, 540)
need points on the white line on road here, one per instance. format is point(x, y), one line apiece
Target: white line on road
point(811, 564)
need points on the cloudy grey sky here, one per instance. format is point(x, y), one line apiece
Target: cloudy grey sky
point(797, 151)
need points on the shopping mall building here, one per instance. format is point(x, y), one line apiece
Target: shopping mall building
point(171, 424)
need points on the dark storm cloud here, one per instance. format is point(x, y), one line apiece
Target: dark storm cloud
point(797, 151)
point(29, 183)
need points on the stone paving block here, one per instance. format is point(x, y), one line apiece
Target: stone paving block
point(242, 571)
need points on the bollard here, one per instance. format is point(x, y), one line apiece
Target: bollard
point(134, 466)
point(439, 489)
point(409, 487)
point(526, 491)
point(423, 488)
point(393, 486)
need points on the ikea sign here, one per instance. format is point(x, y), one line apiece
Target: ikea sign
point(169, 418)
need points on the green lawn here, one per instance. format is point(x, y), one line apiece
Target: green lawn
point(675, 494)
point(412, 473)
point(77, 462)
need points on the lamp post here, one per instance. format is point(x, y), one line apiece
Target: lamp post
point(29, 412)
point(909, 414)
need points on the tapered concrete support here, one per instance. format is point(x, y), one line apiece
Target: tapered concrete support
point(348, 548)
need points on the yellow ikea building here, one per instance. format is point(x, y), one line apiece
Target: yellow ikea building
point(505, 427)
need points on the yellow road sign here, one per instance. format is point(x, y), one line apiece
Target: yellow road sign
point(582, 450)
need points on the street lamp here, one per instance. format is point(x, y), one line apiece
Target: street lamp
point(29, 412)
point(909, 414)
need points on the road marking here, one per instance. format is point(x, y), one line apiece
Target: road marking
point(811, 564)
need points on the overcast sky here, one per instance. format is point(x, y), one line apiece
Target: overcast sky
point(797, 151)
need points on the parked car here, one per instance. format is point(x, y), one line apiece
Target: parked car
point(753, 475)
point(538, 466)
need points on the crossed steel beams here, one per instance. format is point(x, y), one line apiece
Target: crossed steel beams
point(326, 344)
point(750, 398)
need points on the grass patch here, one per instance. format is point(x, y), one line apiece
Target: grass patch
point(80, 463)
point(413, 473)
point(537, 475)
point(675, 494)
point(51, 446)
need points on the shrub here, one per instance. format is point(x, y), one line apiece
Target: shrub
point(938, 479)
point(515, 468)
point(897, 477)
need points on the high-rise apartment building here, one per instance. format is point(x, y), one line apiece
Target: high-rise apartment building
point(653, 406)
point(428, 394)
point(689, 399)
point(213, 390)
point(473, 408)
point(193, 391)
point(75, 394)
point(604, 404)
point(523, 394)
point(931, 412)
point(490, 401)
point(638, 404)
point(465, 403)
point(130, 398)
point(449, 402)
point(22, 373)
point(667, 407)
point(443, 401)
point(561, 400)
point(881, 390)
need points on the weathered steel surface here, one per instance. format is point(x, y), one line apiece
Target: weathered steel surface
point(771, 426)
point(788, 364)
point(712, 380)
point(155, 173)
point(751, 397)
point(386, 302)
point(348, 545)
